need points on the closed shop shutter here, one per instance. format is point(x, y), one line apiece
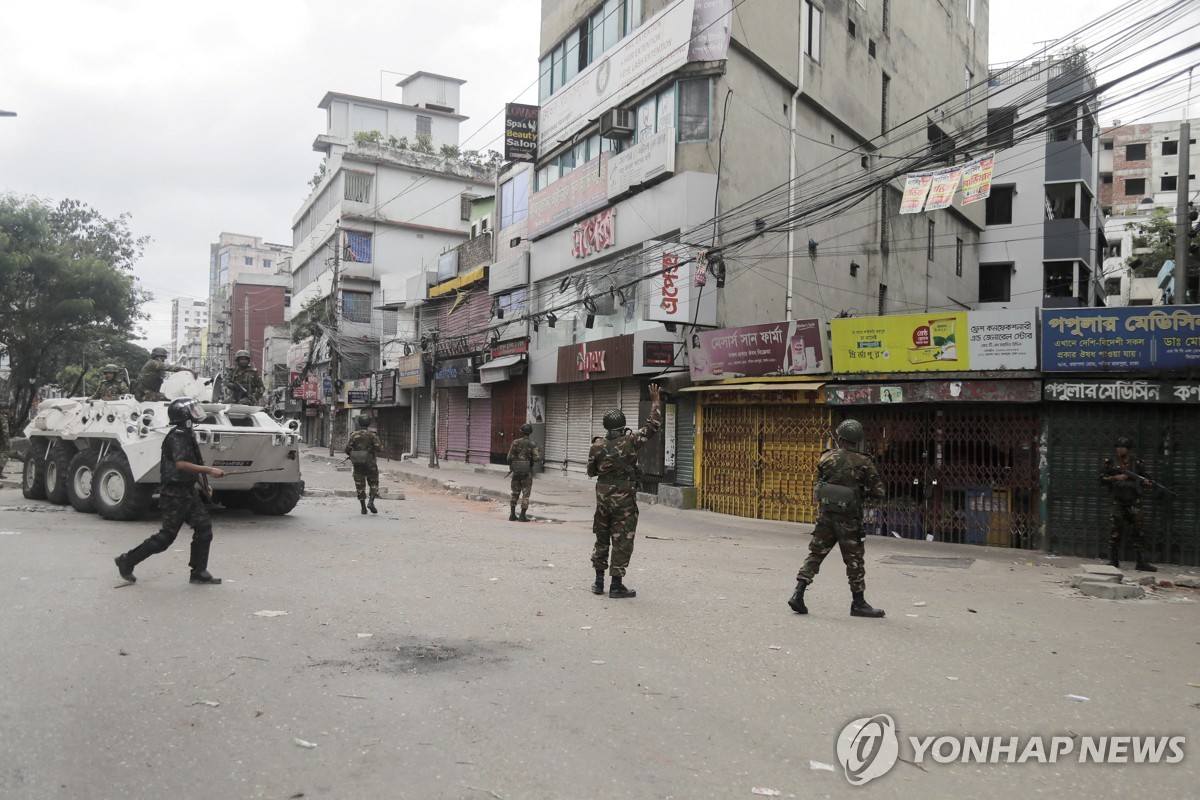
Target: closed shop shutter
point(394, 428)
point(456, 423)
point(730, 482)
point(556, 426)
point(424, 422)
point(479, 445)
point(685, 441)
point(606, 395)
point(631, 402)
point(442, 412)
point(792, 441)
point(579, 426)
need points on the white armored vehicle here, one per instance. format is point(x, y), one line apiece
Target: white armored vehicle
point(103, 456)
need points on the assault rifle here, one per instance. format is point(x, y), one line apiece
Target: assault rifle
point(1141, 479)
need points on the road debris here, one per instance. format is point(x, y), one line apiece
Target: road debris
point(774, 647)
point(1077, 698)
point(597, 662)
point(365, 635)
point(817, 766)
point(209, 703)
point(270, 613)
point(920, 604)
point(304, 744)
point(765, 792)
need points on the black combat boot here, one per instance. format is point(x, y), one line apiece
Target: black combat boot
point(512, 512)
point(860, 608)
point(203, 576)
point(199, 563)
point(125, 567)
point(1144, 565)
point(362, 501)
point(598, 586)
point(796, 601)
point(523, 518)
point(618, 589)
point(1113, 561)
point(371, 505)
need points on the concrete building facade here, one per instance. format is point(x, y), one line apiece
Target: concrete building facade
point(189, 318)
point(1139, 166)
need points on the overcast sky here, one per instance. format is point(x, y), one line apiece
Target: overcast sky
point(199, 118)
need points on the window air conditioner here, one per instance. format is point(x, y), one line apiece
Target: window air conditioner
point(618, 123)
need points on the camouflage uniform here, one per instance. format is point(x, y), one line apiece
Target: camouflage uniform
point(838, 525)
point(150, 380)
point(1125, 501)
point(614, 464)
point(365, 474)
point(523, 449)
point(3, 438)
point(250, 381)
point(111, 390)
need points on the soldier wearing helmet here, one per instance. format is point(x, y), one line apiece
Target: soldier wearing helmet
point(3, 436)
point(845, 477)
point(179, 496)
point(521, 455)
point(613, 461)
point(1125, 477)
point(113, 386)
point(363, 448)
point(149, 381)
point(245, 384)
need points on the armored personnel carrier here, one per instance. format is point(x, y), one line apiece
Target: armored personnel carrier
point(103, 456)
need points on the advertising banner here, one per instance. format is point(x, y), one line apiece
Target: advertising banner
point(673, 295)
point(410, 371)
point(575, 194)
point(941, 191)
point(936, 342)
point(750, 351)
point(977, 179)
point(648, 159)
point(520, 132)
point(916, 187)
point(1127, 338)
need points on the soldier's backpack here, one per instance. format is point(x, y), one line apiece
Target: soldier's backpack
point(360, 457)
point(837, 498)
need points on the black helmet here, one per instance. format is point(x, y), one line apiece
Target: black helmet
point(184, 410)
point(851, 430)
point(159, 351)
point(526, 429)
point(1124, 441)
point(614, 420)
point(364, 420)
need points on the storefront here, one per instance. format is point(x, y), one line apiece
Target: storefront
point(464, 412)
point(503, 375)
point(391, 409)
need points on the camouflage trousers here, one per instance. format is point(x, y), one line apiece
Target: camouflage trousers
point(614, 524)
point(366, 475)
point(846, 533)
point(522, 485)
point(1126, 517)
point(3, 460)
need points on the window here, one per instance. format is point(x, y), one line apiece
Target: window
point(1135, 152)
point(887, 16)
point(1001, 122)
point(929, 243)
point(970, 11)
point(941, 145)
point(358, 247)
point(1060, 201)
point(358, 186)
point(882, 299)
point(694, 96)
point(514, 200)
point(1135, 187)
point(958, 256)
point(995, 282)
point(1062, 123)
point(871, 47)
point(1167, 183)
point(883, 104)
point(884, 246)
point(1106, 180)
point(851, 29)
point(249, 261)
point(287, 298)
point(424, 125)
point(1107, 145)
point(464, 206)
point(356, 306)
point(1000, 205)
point(968, 84)
point(266, 263)
point(1170, 148)
point(812, 36)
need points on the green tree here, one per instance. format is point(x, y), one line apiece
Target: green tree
point(67, 273)
point(1156, 234)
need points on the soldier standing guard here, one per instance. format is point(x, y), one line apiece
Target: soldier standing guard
point(3, 437)
point(362, 446)
point(113, 386)
point(521, 455)
point(244, 384)
point(1125, 479)
point(179, 497)
point(613, 461)
point(150, 379)
point(844, 477)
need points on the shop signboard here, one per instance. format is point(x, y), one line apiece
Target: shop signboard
point(1122, 391)
point(455, 372)
point(1125, 338)
point(576, 194)
point(520, 132)
point(410, 371)
point(779, 348)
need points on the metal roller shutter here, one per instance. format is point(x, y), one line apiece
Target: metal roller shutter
point(579, 426)
point(424, 421)
point(631, 402)
point(479, 441)
point(685, 441)
point(455, 416)
point(556, 426)
point(605, 395)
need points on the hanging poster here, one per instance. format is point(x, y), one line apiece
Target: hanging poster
point(977, 179)
point(916, 187)
point(941, 190)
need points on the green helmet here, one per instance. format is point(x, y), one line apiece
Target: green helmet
point(113, 368)
point(851, 430)
point(242, 354)
point(363, 420)
point(614, 420)
point(1124, 441)
point(159, 351)
point(526, 429)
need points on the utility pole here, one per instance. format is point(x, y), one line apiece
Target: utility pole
point(245, 324)
point(1182, 222)
point(433, 409)
point(333, 353)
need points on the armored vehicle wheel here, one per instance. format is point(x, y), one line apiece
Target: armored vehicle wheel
point(274, 499)
point(232, 500)
point(56, 472)
point(115, 494)
point(33, 476)
point(79, 481)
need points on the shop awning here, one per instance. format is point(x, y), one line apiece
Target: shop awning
point(496, 370)
point(755, 387)
point(448, 286)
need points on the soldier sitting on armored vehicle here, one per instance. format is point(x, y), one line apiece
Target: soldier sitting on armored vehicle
point(148, 386)
point(244, 384)
point(113, 387)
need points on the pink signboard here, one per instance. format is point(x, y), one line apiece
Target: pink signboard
point(779, 348)
point(577, 193)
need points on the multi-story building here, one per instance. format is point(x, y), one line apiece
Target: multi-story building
point(188, 317)
point(235, 258)
point(1139, 167)
point(1041, 247)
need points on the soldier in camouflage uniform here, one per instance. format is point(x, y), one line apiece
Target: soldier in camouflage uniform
point(3, 437)
point(1125, 502)
point(613, 462)
point(845, 477)
point(113, 385)
point(150, 379)
point(521, 455)
point(363, 446)
point(179, 496)
point(244, 384)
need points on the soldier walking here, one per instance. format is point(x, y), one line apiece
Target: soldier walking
point(1125, 477)
point(521, 455)
point(179, 496)
point(363, 446)
point(613, 462)
point(113, 386)
point(844, 478)
point(245, 384)
point(150, 379)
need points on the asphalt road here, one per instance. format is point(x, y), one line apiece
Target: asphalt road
point(438, 651)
